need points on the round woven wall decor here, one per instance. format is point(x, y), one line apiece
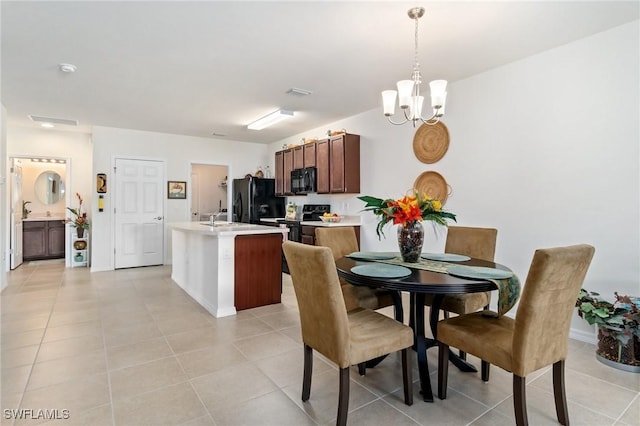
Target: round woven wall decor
point(434, 185)
point(430, 143)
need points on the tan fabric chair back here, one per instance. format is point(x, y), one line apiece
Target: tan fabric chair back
point(323, 316)
point(479, 243)
point(341, 240)
point(541, 332)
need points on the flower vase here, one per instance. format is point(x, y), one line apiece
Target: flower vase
point(80, 232)
point(410, 240)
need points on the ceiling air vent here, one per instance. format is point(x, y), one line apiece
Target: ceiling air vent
point(41, 119)
point(299, 92)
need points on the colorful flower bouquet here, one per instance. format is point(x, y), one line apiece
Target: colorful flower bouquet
point(410, 208)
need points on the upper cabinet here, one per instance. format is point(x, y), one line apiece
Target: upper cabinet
point(337, 160)
point(345, 163)
point(279, 173)
point(283, 168)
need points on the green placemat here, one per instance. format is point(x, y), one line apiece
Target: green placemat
point(508, 288)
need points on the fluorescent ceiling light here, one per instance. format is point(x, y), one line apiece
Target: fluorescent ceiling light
point(270, 119)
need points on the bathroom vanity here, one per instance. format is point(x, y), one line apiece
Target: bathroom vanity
point(43, 238)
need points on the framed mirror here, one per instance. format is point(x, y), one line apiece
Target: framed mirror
point(49, 187)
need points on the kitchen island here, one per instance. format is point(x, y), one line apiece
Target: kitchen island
point(227, 267)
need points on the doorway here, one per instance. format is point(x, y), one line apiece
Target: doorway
point(209, 195)
point(38, 191)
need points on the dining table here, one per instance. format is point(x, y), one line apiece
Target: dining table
point(434, 277)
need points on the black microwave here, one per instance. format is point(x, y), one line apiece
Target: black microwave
point(303, 181)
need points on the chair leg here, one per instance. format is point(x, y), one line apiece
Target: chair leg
point(343, 398)
point(443, 369)
point(362, 368)
point(559, 393)
point(484, 368)
point(520, 400)
point(406, 377)
point(306, 376)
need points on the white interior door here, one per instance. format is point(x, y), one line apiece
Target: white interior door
point(139, 213)
point(16, 214)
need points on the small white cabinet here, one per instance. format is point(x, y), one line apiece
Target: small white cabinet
point(79, 249)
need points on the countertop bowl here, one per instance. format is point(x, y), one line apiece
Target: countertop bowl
point(330, 219)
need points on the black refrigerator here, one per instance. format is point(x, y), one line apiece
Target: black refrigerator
point(254, 198)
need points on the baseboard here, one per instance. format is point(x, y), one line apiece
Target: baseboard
point(583, 336)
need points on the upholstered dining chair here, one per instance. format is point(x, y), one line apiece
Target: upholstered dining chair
point(479, 243)
point(344, 337)
point(342, 241)
point(537, 337)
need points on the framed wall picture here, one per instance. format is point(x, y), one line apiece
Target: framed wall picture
point(101, 183)
point(176, 189)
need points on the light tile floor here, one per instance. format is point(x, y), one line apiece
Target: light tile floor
point(129, 347)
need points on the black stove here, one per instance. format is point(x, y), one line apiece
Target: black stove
point(310, 213)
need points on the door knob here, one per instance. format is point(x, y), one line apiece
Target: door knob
point(159, 218)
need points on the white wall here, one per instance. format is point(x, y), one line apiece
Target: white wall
point(4, 199)
point(178, 152)
point(545, 149)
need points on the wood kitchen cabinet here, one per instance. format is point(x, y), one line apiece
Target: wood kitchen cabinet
point(310, 154)
point(322, 165)
point(336, 159)
point(338, 163)
point(309, 234)
point(344, 163)
point(43, 239)
point(258, 270)
point(287, 167)
point(298, 157)
point(278, 171)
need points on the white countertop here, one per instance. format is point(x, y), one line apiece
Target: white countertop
point(226, 228)
point(43, 218)
point(346, 221)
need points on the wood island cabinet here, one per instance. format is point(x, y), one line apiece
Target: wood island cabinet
point(43, 239)
point(258, 270)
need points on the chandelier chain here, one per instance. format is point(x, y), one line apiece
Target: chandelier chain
point(416, 64)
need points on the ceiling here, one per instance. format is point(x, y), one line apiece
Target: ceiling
point(198, 68)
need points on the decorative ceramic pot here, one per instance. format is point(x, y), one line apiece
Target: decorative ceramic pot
point(80, 232)
point(80, 244)
point(79, 257)
point(410, 240)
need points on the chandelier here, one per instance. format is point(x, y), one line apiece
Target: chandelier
point(408, 92)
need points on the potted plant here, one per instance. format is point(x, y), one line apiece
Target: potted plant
point(618, 331)
point(79, 221)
